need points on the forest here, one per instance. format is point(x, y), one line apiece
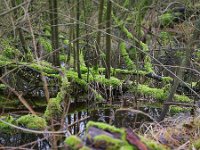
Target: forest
point(100, 74)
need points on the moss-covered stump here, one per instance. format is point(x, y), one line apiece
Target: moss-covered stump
point(102, 136)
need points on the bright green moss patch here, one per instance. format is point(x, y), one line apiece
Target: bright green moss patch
point(74, 142)
point(105, 127)
point(53, 109)
point(178, 109)
point(160, 94)
point(5, 128)
point(32, 122)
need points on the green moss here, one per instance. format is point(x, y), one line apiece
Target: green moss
point(148, 65)
point(74, 142)
point(63, 57)
point(128, 147)
point(166, 19)
point(32, 122)
point(9, 50)
point(144, 46)
point(4, 128)
point(182, 98)
point(130, 65)
point(82, 61)
point(159, 94)
point(196, 144)
point(153, 145)
point(178, 109)
point(46, 44)
point(53, 109)
point(122, 27)
point(85, 148)
point(165, 38)
point(106, 127)
point(109, 142)
point(43, 66)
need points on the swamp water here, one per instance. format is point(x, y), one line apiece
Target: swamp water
point(79, 115)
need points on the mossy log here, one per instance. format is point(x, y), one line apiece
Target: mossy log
point(103, 136)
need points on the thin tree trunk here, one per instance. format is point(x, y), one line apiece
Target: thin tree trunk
point(77, 36)
point(108, 39)
point(54, 31)
point(100, 26)
point(184, 64)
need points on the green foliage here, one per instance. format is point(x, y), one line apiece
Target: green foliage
point(32, 122)
point(130, 65)
point(46, 44)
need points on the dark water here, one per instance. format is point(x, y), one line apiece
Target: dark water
point(76, 121)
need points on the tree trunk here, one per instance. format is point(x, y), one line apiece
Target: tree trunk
point(100, 26)
point(108, 39)
point(77, 36)
point(54, 31)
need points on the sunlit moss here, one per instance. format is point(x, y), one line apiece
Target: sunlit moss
point(159, 94)
point(74, 142)
point(32, 122)
point(111, 143)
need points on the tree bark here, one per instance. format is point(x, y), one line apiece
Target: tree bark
point(100, 26)
point(77, 36)
point(54, 31)
point(108, 39)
